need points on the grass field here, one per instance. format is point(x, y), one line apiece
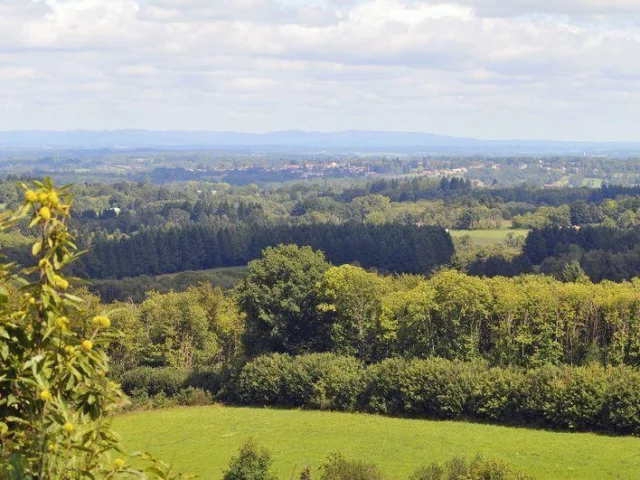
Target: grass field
point(201, 440)
point(488, 237)
point(592, 182)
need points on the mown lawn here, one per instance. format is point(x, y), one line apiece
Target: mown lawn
point(488, 237)
point(201, 440)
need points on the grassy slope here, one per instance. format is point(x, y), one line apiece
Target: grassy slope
point(488, 237)
point(202, 440)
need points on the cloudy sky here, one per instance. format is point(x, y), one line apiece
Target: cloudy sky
point(552, 69)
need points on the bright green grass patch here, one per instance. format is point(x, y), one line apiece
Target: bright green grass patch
point(592, 182)
point(201, 440)
point(488, 237)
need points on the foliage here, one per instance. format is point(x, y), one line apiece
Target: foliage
point(399, 247)
point(352, 299)
point(55, 393)
point(136, 288)
point(588, 398)
point(154, 380)
point(280, 301)
point(192, 329)
point(252, 463)
point(322, 381)
point(478, 469)
point(339, 468)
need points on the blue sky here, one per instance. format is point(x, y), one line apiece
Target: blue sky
point(481, 68)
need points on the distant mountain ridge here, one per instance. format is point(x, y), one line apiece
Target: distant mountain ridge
point(294, 139)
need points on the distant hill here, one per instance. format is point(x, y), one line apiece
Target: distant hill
point(297, 140)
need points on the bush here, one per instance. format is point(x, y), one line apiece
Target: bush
point(323, 381)
point(436, 387)
point(382, 391)
point(623, 402)
point(497, 395)
point(537, 403)
point(252, 463)
point(155, 380)
point(338, 468)
point(194, 397)
point(305, 474)
point(478, 469)
point(262, 382)
point(579, 396)
point(211, 379)
point(576, 398)
point(335, 382)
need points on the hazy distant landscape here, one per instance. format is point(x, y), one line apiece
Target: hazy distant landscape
point(303, 142)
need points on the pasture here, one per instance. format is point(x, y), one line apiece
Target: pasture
point(488, 237)
point(202, 440)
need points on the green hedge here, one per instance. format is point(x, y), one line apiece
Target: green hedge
point(589, 398)
point(321, 381)
point(574, 398)
point(170, 381)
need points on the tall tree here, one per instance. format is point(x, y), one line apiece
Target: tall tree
point(280, 300)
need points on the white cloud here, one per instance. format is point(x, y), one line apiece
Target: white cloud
point(528, 68)
point(501, 8)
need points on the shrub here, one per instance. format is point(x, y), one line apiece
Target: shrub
point(211, 379)
point(305, 474)
point(338, 468)
point(478, 469)
point(262, 382)
point(382, 392)
point(335, 381)
point(322, 381)
point(576, 398)
point(622, 411)
point(579, 396)
point(194, 397)
point(155, 380)
point(537, 403)
point(437, 387)
point(252, 463)
point(497, 394)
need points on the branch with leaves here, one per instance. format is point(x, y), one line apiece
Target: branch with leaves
point(56, 397)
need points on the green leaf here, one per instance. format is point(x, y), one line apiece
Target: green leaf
point(37, 248)
point(4, 295)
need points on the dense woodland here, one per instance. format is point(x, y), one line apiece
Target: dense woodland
point(133, 230)
point(394, 248)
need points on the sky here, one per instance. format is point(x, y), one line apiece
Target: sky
point(492, 69)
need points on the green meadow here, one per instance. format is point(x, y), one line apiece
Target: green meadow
point(488, 237)
point(201, 440)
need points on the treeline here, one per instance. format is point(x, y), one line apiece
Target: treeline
point(294, 303)
point(424, 188)
point(392, 248)
point(602, 252)
point(135, 289)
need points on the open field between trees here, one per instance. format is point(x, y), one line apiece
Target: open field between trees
point(488, 237)
point(202, 440)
